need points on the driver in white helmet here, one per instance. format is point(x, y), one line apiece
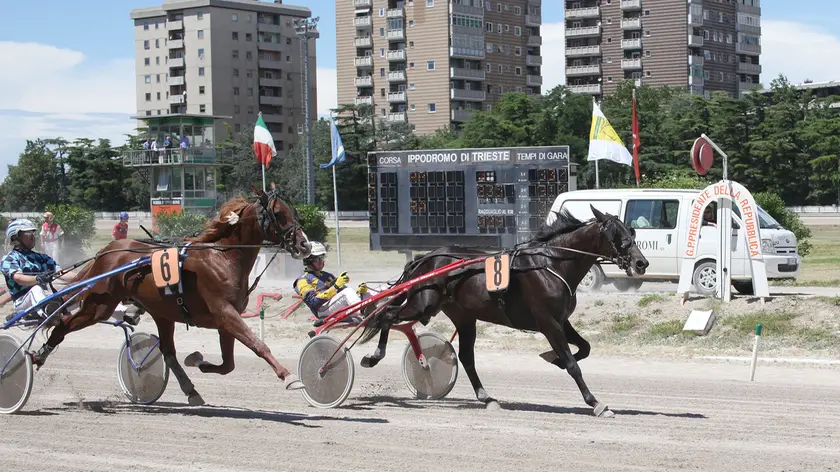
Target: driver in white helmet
point(28, 273)
point(323, 292)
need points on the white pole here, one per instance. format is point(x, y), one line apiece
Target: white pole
point(758, 328)
point(597, 179)
point(263, 174)
point(337, 231)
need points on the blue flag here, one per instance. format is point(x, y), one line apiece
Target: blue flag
point(337, 147)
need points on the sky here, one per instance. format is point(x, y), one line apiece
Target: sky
point(68, 71)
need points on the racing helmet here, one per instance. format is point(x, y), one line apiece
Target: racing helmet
point(18, 225)
point(123, 214)
point(318, 251)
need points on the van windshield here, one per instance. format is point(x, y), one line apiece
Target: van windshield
point(765, 221)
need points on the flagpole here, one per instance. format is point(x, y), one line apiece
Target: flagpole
point(635, 133)
point(337, 230)
point(263, 175)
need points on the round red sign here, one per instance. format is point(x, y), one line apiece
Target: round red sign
point(701, 156)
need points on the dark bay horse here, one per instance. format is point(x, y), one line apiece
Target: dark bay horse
point(544, 275)
point(215, 285)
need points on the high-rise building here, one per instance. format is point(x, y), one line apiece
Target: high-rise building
point(705, 45)
point(432, 62)
point(230, 58)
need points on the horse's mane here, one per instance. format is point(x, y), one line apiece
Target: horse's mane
point(219, 228)
point(564, 224)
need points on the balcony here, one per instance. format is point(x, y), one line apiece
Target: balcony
point(272, 100)
point(582, 51)
point(467, 95)
point(695, 20)
point(265, 82)
point(532, 60)
point(695, 60)
point(363, 42)
point(395, 55)
point(467, 10)
point(174, 62)
point(583, 13)
point(695, 81)
point(749, 49)
point(272, 118)
point(177, 99)
point(396, 97)
point(175, 44)
point(746, 87)
point(396, 76)
point(363, 61)
point(592, 69)
point(366, 81)
point(270, 64)
point(395, 13)
point(695, 41)
point(533, 80)
point(175, 80)
point(267, 46)
point(535, 40)
point(362, 3)
point(467, 74)
point(364, 100)
point(361, 22)
point(583, 32)
point(395, 35)
point(591, 89)
point(533, 20)
point(631, 5)
point(461, 115)
point(631, 43)
point(269, 27)
point(749, 68)
point(193, 155)
point(397, 117)
point(175, 25)
point(631, 23)
point(631, 64)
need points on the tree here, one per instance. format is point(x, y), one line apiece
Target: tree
point(33, 182)
point(97, 176)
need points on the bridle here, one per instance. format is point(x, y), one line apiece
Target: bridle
point(268, 220)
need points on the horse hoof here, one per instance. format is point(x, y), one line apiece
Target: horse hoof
point(194, 359)
point(603, 411)
point(195, 399)
point(369, 361)
point(293, 382)
point(493, 405)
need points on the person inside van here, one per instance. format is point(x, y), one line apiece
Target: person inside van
point(710, 215)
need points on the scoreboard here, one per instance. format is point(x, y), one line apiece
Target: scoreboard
point(488, 198)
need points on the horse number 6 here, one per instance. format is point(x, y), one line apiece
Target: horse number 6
point(162, 267)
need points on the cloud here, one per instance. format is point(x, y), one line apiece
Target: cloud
point(57, 92)
point(327, 91)
point(553, 55)
point(798, 51)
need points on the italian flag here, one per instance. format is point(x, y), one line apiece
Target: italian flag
point(263, 142)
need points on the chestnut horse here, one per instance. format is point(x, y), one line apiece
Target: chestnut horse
point(215, 285)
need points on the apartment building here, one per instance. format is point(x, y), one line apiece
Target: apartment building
point(229, 58)
point(705, 45)
point(433, 62)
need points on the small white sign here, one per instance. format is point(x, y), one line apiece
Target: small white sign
point(700, 322)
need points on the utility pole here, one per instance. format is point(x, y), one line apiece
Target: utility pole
point(306, 29)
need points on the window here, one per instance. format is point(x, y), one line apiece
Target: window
point(234, 36)
point(250, 91)
point(157, 43)
point(488, 27)
point(647, 73)
point(236, 90)
point(235, 53)
point(518, 71)
point(431, 108)
point(249, 55)
point(647, 12)
point(411, 44)
point(146, 44)
point(148, 79)
point(201, 108)
point(381, 52)
point(411, 23)
point(201, 53)
point(412, 107)
point(430, 3)
point(507, 28)
point(517, 10)
point(652, 214)
point(518, 51)
point(381, 12)
point(201, 71)
point(488, 67)
point(234, 17)
point(251, 111)
point(499, 28)
point(237, 127)
point(647, 53)
point(146, 25)
point(148, 97)
point(201, 90)
point(411, 86)
point(381, 32)
point(158, 95)
point(430, 65)
point(517, 30)
point(200, 34)
point(146, 61)
point(200, 16)
point(157, 77)
point(157, 61)
point(236, 109)
point(236, 72)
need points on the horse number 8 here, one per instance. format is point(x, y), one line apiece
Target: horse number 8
point(165, 270)
point(497, 271)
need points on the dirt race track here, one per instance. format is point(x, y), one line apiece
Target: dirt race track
point(670, 415)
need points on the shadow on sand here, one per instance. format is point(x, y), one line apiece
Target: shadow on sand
point(209, 411)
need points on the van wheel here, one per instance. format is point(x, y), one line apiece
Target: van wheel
point(593, 280)
point(624, 285)
point(744, 287)
point(705, 278)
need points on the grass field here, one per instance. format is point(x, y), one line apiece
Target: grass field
point(822, 266)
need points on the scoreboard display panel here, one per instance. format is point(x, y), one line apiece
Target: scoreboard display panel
point(487, 198)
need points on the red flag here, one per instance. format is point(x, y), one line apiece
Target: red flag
point(636, 140)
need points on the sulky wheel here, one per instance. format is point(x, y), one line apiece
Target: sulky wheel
point(15, 374)
point(143, 375)
point(330, 389)
point(437, 379)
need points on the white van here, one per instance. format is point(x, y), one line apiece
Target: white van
point(660, 218)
